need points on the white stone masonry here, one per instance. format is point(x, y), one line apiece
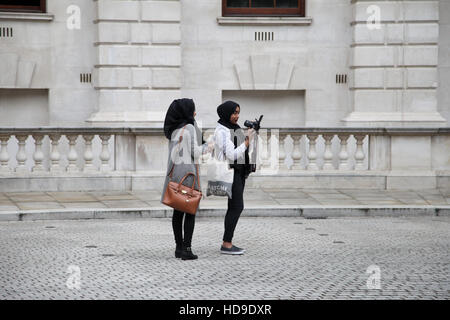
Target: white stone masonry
point(137, 72)
point(393, 63)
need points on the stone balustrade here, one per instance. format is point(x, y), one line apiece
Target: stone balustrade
point(135, 156)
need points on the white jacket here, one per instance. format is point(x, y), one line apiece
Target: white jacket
point(222, 141)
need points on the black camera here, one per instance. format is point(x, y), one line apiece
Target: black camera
point(256, 125)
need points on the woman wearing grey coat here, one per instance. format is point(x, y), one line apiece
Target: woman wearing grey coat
point(184, 158)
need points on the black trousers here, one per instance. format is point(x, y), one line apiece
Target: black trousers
point(177, 225)
point(235, 204)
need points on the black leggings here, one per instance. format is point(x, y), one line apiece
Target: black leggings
point(235, 205)
point(177, 225)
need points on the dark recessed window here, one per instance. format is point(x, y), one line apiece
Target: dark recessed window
point(294, 8)
point(22, 5)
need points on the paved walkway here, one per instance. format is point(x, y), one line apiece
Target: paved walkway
point(258, 202)
point(286, 258)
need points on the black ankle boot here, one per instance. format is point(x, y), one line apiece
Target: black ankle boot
point(178, 251)
point(187, 254)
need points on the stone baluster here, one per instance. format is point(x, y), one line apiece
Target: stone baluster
point(72, 155)
point(359, 154)
point(282, 151)
point(328, 154)
point(21, 155)
point(343, 154)
point(38, 155)
point(274, 151)
point(4, 156)
point(105, 155)
point(296, 151)
point(207, 136)
point(312, 154)
point(263, 152)
point(88, 155)
point(55, 156)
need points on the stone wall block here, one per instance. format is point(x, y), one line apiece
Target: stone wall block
point(161, 11)
point(118, 10)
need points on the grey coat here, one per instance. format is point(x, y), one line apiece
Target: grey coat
point(188, 155)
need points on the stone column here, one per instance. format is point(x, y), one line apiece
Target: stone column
point(55, 156)
point(296, 151)
point(88, 155)
point(328, 154)
point(343, 154)
point(21, 155)
point(4, 156)
point(38, 155)
point(105, 155)
point(138, 72)
point(312, 154)
point(282, 151)
point(72, 156)
point(394, 63)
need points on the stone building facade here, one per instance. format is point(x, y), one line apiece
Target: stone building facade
point(137, 56)
point(119, 63)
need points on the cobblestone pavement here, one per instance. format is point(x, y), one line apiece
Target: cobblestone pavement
point(286, 258)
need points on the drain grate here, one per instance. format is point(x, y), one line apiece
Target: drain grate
point(90, 246)
point(108, 255)
point(338, 241)
point(50, 227)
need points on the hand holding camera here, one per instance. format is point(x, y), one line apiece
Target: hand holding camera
point(249, 137)
point(253, 126)
point(210, 142)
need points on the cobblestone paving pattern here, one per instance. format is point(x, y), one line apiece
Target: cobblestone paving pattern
point(286, 258)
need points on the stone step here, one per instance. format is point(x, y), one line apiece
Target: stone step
point(308, 212)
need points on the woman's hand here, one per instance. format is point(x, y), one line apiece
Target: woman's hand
point(249, 137)
point(251, 133)
point(210, 145)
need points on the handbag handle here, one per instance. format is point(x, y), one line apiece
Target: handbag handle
point(185, 176)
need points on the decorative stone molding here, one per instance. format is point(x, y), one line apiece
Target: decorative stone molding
point(264, 72)
point(265, 21)
point(29, 16)
point(15, 72)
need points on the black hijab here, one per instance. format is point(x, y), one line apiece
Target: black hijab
point(180, 113)
point(225, 110)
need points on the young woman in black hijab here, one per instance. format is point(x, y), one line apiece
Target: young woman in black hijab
point(181, 114)
point(231, 141)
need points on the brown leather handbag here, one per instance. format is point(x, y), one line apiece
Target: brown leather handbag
point(181, 197)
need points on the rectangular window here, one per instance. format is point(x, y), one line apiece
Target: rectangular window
point(295, 8)
point(23, 5)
